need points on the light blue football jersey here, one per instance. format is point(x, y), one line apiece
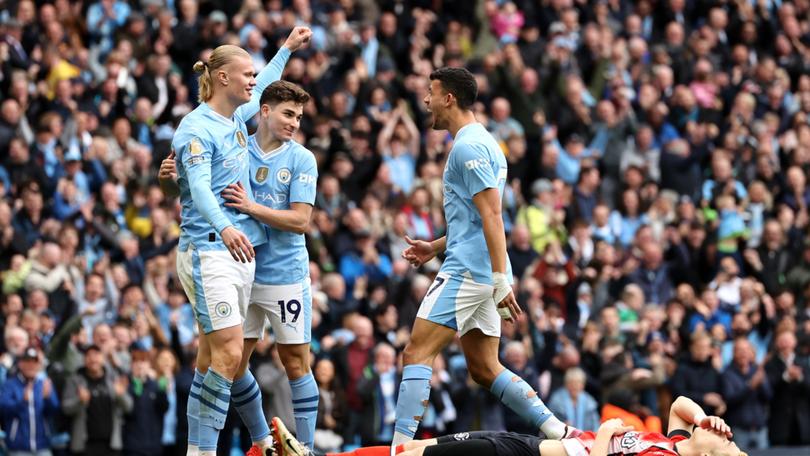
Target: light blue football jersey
point(279, 178)
point(475, 163)
point(212, 153)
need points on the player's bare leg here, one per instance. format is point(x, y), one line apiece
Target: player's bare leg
point(295, 358)
point(414, 444)
point(427, 340)
point(481, 352)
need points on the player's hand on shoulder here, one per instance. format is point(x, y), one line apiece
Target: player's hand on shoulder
point(298, 38)
point(716, 424)
point(614, 426)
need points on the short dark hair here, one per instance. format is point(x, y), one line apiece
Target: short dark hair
point(281, 91)
point(459, 82)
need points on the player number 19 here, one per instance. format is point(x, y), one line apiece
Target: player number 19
point(293, 307)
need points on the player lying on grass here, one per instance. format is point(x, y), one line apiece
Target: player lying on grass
point(690, 433)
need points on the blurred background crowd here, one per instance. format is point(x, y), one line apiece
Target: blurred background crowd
point(656, 211)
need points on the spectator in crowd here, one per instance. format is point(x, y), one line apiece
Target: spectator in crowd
point(149, 404)
point(28, 402)
point(573, 404)
point(697, 377)
point(653, 274)
point(377, 388)
point(789, 376)
point(166, 369)
point(540, 217)
point(96, 394)
point(331, 408)
point(350, 360)
point(747, 391)
point(521, 253)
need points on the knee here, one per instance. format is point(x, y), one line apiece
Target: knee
point(415, 354)
point(203, 363)
point(230, 357)
point(484, 374)
point(295, 361)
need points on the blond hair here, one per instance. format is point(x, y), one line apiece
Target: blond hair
point(220, 57)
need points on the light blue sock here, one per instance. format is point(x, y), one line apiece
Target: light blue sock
point(215, 395)
point(414, 392)
point(193, 409)
point(247, 398)
point(516, 394)
point(305, 397)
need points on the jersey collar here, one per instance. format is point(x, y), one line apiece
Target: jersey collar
point(271, 153)
point(465, 128)
point(219, 117)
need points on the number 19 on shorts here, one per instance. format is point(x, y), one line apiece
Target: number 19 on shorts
point(291, 307)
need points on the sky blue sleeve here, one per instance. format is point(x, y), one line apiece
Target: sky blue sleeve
point(474, 165)
point(304, 181)
point(269, 74)
point(196, 155)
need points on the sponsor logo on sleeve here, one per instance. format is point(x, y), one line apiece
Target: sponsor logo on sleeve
point(306, 178)
point(476, 163)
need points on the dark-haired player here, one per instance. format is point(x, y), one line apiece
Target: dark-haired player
point(472, 290)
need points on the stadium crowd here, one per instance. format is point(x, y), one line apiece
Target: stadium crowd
point(656, 212)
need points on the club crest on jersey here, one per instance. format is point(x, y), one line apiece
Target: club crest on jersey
point(195, 147)
point(223, 309)
point(240, 138)
point(629, 440)
point(261, 174)
point(284, 175)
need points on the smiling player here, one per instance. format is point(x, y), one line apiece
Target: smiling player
point(283, 177)
point(214, 260)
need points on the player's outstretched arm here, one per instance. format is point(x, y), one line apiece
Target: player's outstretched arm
point(488, 202)
point(167, 177)
point(295, 219)
point(299, 37)
point(684, 413)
